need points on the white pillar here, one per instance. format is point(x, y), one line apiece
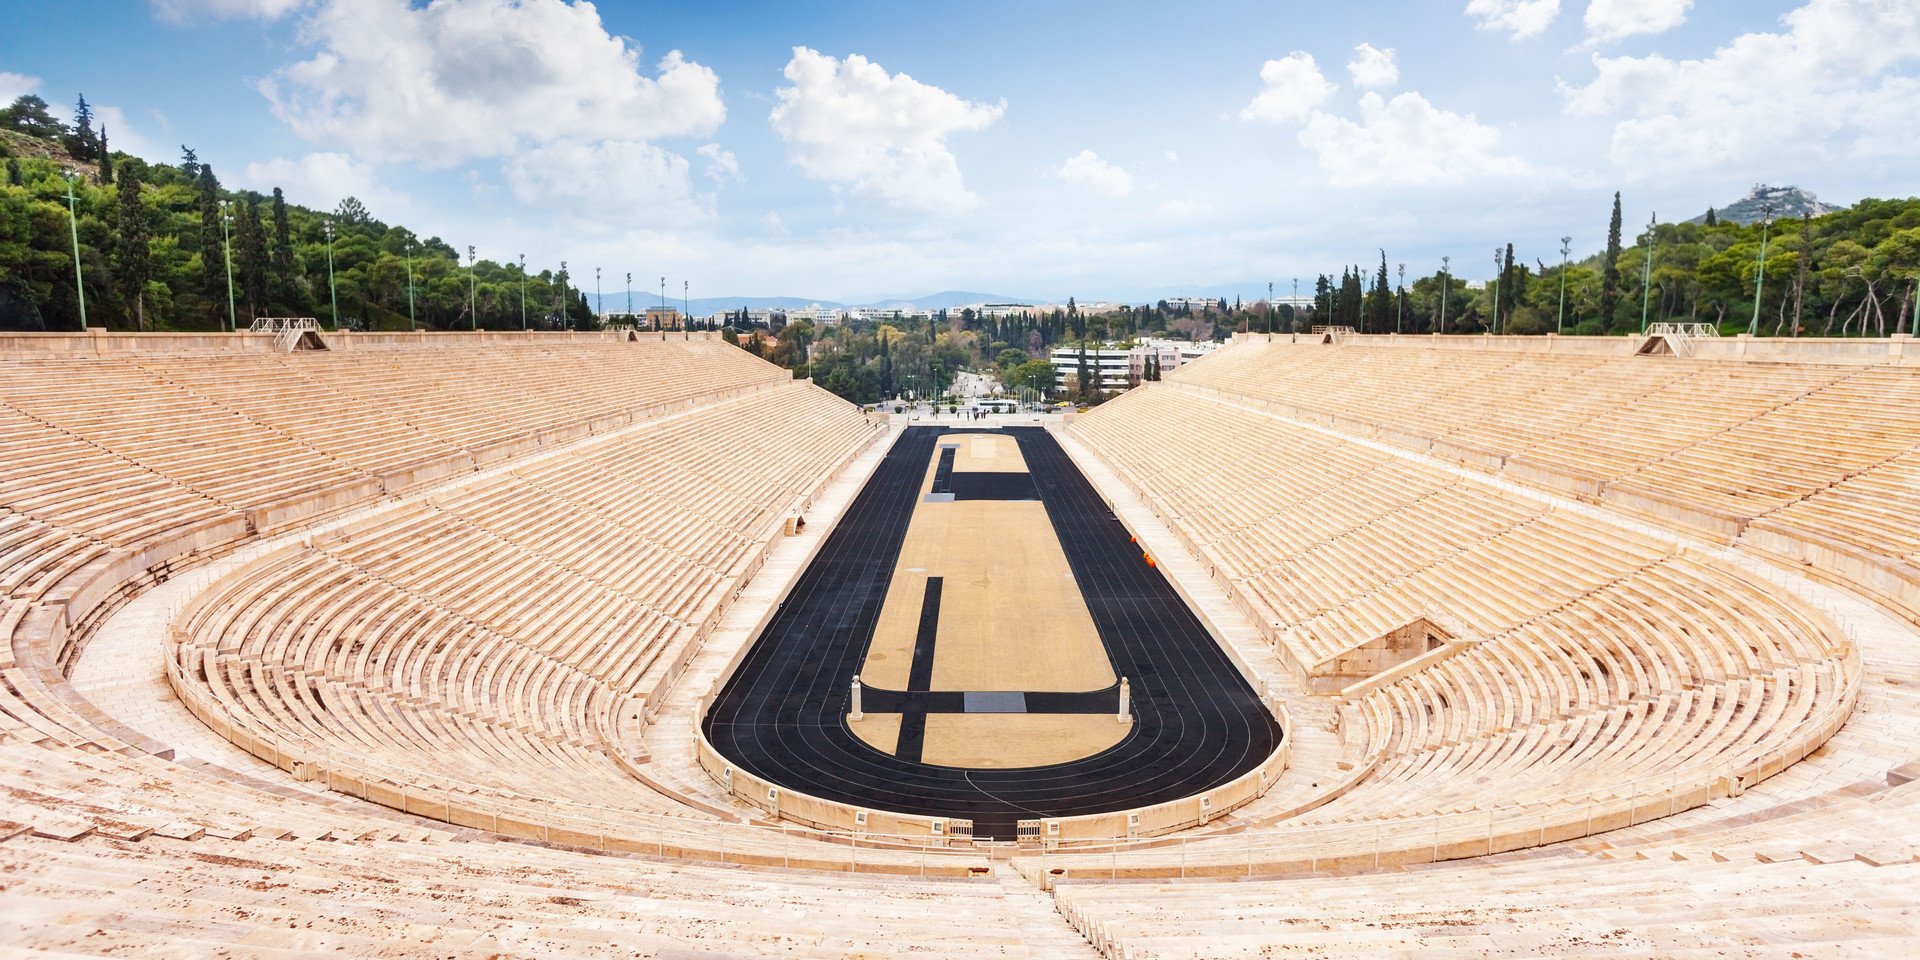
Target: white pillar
point(856, 715)
point(1126, 701)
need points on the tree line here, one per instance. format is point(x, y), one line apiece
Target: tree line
point(158, 242)
point(1854, 272)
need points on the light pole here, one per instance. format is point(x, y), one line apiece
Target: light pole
point(411, 325)
point(523, 293)
point(333, 292)
point(1760, 275)
point(473, 290)
point(1294, 305)
point(599, 307)
point(226, 244)
point(1400, 302)
point(1269, 310)
point(663, 300)
point(1446, 289)
point(1566, 251)
point(1646, 276)
point(1498, 272)
point(686, 311)
point(73, 224)
point(563, 296)
point(630, 297)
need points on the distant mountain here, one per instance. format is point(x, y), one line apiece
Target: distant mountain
point(707, 306)
point(950, 298)
point(1782, 203)
point(703, 306)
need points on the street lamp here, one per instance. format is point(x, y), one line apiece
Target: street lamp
point(1269, 310)
point(563, 295)
point(1566, 251)
point(411, 325)
point(226, 241)
point(523, 293)
point(1760, 275)
point(663, 299)
point(1498, 272)
point(1400, 302)
point(73, 223)
point(1446, 289)
point(1646, 276)
point(599, 306)
point(630, 297)
point(686, 311)
point(333, 292)
point(473, 290)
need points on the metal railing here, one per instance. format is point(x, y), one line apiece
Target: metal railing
point(286, 331)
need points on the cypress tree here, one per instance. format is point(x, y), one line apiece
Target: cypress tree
point(106, 157)
point(1713, 219)
point(132, 262)
point(213, 267)
point(282, 259)
point(1610, 274)
point(1509, 292)
point(253, 260)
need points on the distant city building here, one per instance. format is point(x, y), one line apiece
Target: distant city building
point(661, 318)
point(1120, 368)
point(1194, 304)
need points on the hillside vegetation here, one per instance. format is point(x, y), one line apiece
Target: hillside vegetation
point(155, 238)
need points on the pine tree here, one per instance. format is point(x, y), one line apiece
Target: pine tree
point(1610, 273)
point(189, 163)
point(1803, 268)
point(132, 262)
point(80, 145)
point(14, 178)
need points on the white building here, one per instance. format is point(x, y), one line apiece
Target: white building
point(1120, 368)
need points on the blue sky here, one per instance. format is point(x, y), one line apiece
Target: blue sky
point(854, 150)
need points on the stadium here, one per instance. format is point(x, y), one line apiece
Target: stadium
point(622, 643)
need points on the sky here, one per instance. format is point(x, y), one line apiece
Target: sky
point(858, 151)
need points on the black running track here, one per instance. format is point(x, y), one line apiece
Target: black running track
point(782, 715)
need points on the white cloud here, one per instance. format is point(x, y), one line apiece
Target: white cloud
point(1823, 86)
point(121, 135)
point(1609, 20)
point(13, 86)
point(1406, 140)
point(1373, 68)
point(322, 180)
point(1086, 169)
point(449, 82)
point(772, 224)
point(1524, 19)
point(608, 183)
point(1173, 157)
point(722, 166)
point(1293, 87)
point(1183, 209)
point(884, 135)
point(182, 11)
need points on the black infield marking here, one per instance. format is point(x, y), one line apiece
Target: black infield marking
point(782, 715)
point(913, 710)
